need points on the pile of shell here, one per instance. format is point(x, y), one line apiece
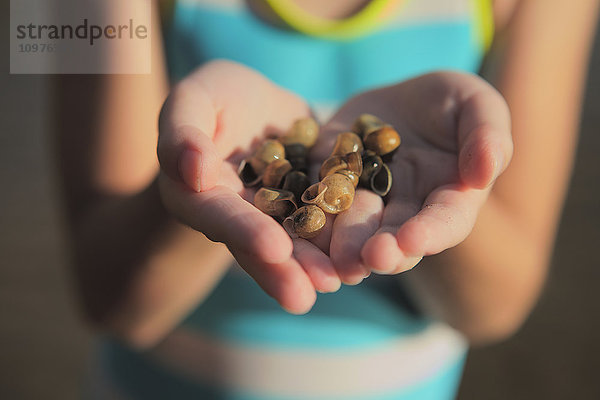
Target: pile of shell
point(281, 166)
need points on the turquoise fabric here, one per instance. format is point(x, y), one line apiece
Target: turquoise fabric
point(354, 317)
point(321, 71)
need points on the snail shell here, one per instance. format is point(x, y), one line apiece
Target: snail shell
point(274, 202)
point(248, 176)
point(334, 194)
point(347, 142)
point(269, 151)
point(297, 154)
point(296, 182)
point(275, 172)
point(382, 141)
point(303, 131)
point(372, 163)
point(381, 181)
point(376, 175)
point(354, 178)
point(306, 222)
point(351, 162)
point(367, 123)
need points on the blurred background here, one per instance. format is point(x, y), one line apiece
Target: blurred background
point(44, 347)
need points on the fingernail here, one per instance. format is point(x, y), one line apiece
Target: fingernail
point(498, 165)
point(189, 168)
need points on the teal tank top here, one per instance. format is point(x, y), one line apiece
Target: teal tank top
point(363, 342)
point(422, 36)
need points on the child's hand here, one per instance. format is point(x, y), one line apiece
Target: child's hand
point(456, 140)
point(208, 125)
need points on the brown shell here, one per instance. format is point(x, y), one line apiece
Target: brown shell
point(269, 151)
point(382, 141)
point(376, 175)
point(275, 172)
point(296, 182)
point(297, 155)
point(351, 162)
point(366, 123)
point(274, 202)
point(371, 165)
point(303, 131)
point(334, 194)
point(347, 142)
point(307, 222)
point(381, 181)
point(352, 175)
point(247, 175)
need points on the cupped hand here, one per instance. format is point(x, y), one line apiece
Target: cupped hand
point(456, 140)
point(210, 122)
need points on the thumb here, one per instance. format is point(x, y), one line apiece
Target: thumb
point(186, 150)
point(191, 157)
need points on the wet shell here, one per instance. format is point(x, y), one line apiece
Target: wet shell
point(334, 194)
point(274, 202)
point(367, 123)
point(307, 222)
point(351, 162)
point(275, 172)
point(248, 176)
point(347, 142)
point(303, 131)
point(382, 141)
point(269, 151)
point(296, 182)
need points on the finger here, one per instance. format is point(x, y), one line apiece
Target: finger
point(381, 252)
point(351, 229)
point(317, 265)
point(484, 136)
point(285, 281)
point(188, 123)
point(223, 216)
point(446, 219)
point(385, 255)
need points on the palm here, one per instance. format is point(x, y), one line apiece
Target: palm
point(440, 172)
point(221, 112)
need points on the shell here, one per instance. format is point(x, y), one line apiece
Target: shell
point(353, 176)
point(366, 123)
point(381, 182)
point(334, 194)
point(347, 142)
point(247, 174)
point(307, 222)
point(382, 141)
point(274, 202)
point(303, 131)
point(297, 154)
point(275, 172)
point(296, 182)
point(371, 165)
point(351, 162)
point(376, 175)
point(269, 151)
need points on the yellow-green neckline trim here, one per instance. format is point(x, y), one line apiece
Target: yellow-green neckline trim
point(349, 28)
